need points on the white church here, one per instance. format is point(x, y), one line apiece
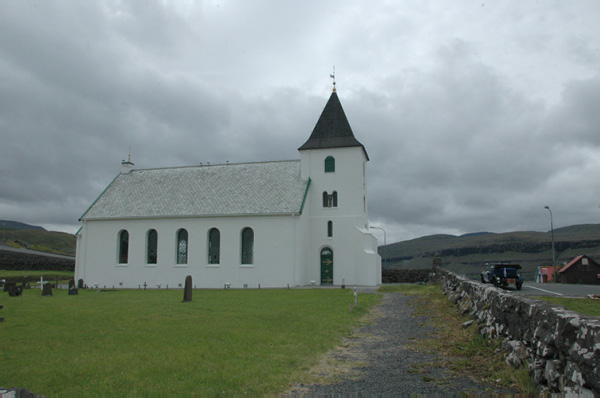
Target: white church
point(265, 224)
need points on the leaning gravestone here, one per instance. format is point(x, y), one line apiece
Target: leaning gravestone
point(47, 289)
point(187, 290)
point(72, 289)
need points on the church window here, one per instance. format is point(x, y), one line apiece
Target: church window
point(182, 246)
point(329, 164)
point(214, 246)
point(123, 247)
point(330, 200)
point(329, 229)
point(152, 245)
point(247, 246)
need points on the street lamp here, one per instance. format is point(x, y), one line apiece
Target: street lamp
point(553, 255)
point(384, 242)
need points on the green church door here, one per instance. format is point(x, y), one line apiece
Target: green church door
point(326, 266)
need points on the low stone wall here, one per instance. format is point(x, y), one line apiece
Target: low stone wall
point(560, 347)
point(405, 275)
point(10, 260)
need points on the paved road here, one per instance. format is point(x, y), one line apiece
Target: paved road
point(27, 251)
point(558, 289)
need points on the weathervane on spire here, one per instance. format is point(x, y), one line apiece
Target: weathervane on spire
point(333, 77)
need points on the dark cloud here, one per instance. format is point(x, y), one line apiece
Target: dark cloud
point(474, 117)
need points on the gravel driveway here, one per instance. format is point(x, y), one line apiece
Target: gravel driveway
point(376, 361)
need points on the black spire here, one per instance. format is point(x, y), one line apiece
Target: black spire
point(332, 129)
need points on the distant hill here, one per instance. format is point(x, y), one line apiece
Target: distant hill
point(19, 235)
point(467, 254)
point(18, 225)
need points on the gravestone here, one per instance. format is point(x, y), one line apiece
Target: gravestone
point(187, 290)
point(47, 289)
point(72, 289)
point(80, 284)
point(12, 289)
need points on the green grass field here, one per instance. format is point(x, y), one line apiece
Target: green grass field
point(149, 342)
point(581, 305)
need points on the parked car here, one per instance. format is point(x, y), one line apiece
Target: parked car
point(503, 275)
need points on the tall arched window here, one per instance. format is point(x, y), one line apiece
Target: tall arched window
point(214, 246)
point(329, 164)
point(247, 246)
point(152, 244)
point(334, 198)
point(329, 229)
point(330, 200)
point(325, 200)
point(123, 247)
point(182, 246)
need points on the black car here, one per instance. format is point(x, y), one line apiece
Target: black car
point(503, 275)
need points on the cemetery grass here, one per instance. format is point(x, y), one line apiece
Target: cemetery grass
point(150, 342)
point(464, 351)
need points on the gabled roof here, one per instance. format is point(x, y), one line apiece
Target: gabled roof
point(332, 129)
point(575, 261)
point(547, 270)
point(267, 188)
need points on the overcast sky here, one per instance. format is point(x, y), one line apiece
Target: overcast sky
point(475, 114)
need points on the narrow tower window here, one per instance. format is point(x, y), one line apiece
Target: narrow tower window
point(214, 246)
point(247, 246)
point(152, 244)
point(329, 229)
point(182, 246)
point(330, 200)
point(123, 247)
point(334, 198)
point(329, 164)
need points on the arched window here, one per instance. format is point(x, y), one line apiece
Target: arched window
point(325, 199)
point(334, 198)
point(182, 246)
point(329, 229)
point(123, 247)
point(214, 246)
point(247, 246)
point(329, 164)
point(330, 200)
point(152, 244)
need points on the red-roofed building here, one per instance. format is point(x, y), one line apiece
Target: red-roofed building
point(545, 274)
point(581, 269)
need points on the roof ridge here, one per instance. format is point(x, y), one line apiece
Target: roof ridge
point(217, 164)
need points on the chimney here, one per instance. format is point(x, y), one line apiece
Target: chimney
point(126, 166)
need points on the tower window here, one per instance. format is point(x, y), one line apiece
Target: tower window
point(329, 164)
point(330, 200)
point(329, 229)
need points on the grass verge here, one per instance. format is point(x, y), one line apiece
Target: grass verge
point(581, 305)
point(149, 342)
point(464, 349)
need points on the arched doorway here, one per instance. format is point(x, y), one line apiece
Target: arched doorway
point(326, 266)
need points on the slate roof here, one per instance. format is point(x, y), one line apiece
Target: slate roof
point(267, 188)
point(332, 129)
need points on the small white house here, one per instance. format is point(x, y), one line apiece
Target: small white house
point(271, 224)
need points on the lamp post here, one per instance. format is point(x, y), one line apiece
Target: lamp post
point(384, 242)
point(553, 255)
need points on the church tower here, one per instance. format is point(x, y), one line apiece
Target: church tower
point(341, 248)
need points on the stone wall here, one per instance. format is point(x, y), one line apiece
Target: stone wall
point(10, 260)
point(561, 348)
point(405, 275)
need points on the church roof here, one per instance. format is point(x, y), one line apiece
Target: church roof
point(243, 189)
point(332, 129)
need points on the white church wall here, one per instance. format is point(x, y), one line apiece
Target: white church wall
point(273, 264)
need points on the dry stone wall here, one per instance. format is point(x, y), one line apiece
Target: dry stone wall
point(561, 348)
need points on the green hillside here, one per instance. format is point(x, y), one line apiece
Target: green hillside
point(467, 254)
point(41, 240)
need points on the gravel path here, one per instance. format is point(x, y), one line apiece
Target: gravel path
point(376, 362)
